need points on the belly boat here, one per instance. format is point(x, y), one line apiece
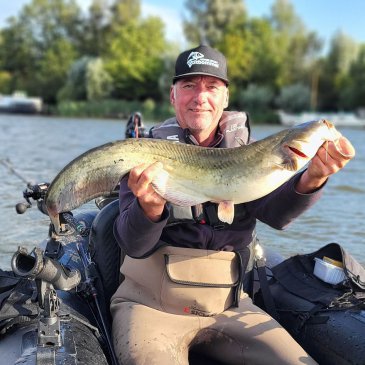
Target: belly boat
point(54, 305)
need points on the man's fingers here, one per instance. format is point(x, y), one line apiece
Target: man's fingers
point(141, 177)
point(344, 148)
point(135, 174)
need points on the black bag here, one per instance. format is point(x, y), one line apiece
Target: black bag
point(327, 320)
point(296, 276)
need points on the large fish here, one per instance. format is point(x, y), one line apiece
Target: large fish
point(191, 174)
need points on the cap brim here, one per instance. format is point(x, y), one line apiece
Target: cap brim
point(176, 78)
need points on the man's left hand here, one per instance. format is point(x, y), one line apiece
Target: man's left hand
point(330, 158)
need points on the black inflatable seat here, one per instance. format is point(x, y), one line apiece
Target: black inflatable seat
point(106, 253)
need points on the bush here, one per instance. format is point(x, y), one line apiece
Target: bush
point(111, 108)
point(294, 98)
point(5, 82)
point(255, 98)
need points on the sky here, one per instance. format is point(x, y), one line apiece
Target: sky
point(325, 17)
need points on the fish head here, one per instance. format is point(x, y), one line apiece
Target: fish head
point(301, 143)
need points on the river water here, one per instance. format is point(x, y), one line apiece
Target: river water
point(38, 147)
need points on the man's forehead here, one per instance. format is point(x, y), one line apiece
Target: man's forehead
point(202, 78)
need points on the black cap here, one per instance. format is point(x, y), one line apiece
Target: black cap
point(202, 60)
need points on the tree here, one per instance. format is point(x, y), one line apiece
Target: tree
point(95, 27)
point(256, 98)
point(297, 47)
point(353, 93)
point(40, 44)
point(294, 98)
point(98, 81)
point(87, 80)
point(18, 54)
point(343, 51)
point(209, 19)
point(52, 70)
point(135, 59)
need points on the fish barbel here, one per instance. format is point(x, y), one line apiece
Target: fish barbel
point(191, 174)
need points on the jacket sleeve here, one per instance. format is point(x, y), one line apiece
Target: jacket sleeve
point(281, 207)
point(135, 233)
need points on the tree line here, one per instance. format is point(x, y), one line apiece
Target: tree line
point(54, 50)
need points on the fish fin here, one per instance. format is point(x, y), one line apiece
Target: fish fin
point(240, 141)
point(226, 211)
point(56, 223)
point(288, 164)
point(172, 192)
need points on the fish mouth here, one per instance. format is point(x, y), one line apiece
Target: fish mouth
point(297, 152)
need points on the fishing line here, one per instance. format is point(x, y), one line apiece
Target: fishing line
point(6, 162)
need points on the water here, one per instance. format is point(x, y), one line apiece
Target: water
point(38, 147)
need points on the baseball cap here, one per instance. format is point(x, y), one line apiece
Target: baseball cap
point(202, 60)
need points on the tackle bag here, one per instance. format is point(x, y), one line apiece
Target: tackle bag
point(327, 320)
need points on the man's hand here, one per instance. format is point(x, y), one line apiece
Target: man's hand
point(331, 157)
point(139, 181)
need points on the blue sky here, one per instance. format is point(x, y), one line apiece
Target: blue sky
point(323, 16)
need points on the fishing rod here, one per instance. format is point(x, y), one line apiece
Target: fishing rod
point(37, 191)
point(91, 276)
point(6, 162)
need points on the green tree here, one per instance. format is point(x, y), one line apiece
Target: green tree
point(40, 44)
point(353, 92)
point(256, 97)
point(296, 47)
point(334, 77)
point(95, 27)
point(294, 98)
point(98, 81)
point(135, 59)
point(249, 46)
point(209, 19)
point(5, 82)
point(18, 54)
point(87, 80)
point(52, 70)
point(124, 11)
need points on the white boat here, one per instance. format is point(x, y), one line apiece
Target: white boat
point(20, 103)
point(340, 119)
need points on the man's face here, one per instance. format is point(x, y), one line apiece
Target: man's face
point(199, 102)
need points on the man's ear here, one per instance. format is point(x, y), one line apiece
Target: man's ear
point(226, 102)
point(172, 94)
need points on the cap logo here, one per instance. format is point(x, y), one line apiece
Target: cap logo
point(196, 58)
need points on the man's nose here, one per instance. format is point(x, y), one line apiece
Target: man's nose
point(200, 95)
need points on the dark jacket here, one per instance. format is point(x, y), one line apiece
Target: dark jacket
point(139, 237)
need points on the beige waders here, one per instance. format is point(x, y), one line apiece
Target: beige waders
point(179, 298)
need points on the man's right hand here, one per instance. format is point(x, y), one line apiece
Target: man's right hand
point(140, 183)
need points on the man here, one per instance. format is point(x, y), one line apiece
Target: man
point(184, 268)
point(135, 127)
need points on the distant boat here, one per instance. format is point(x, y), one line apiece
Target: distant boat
point(340, 119)
point(20, 103)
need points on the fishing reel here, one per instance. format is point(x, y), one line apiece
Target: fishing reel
point(36, 192)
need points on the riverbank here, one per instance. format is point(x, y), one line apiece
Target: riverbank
point(112, 109)
point(121, 109)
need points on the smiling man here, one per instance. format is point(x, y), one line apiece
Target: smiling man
point(186, 272)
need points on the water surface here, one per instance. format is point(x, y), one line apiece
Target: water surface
point(38, 147)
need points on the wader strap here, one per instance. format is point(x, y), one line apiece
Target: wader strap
point(210, 210)
point(265, 290)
